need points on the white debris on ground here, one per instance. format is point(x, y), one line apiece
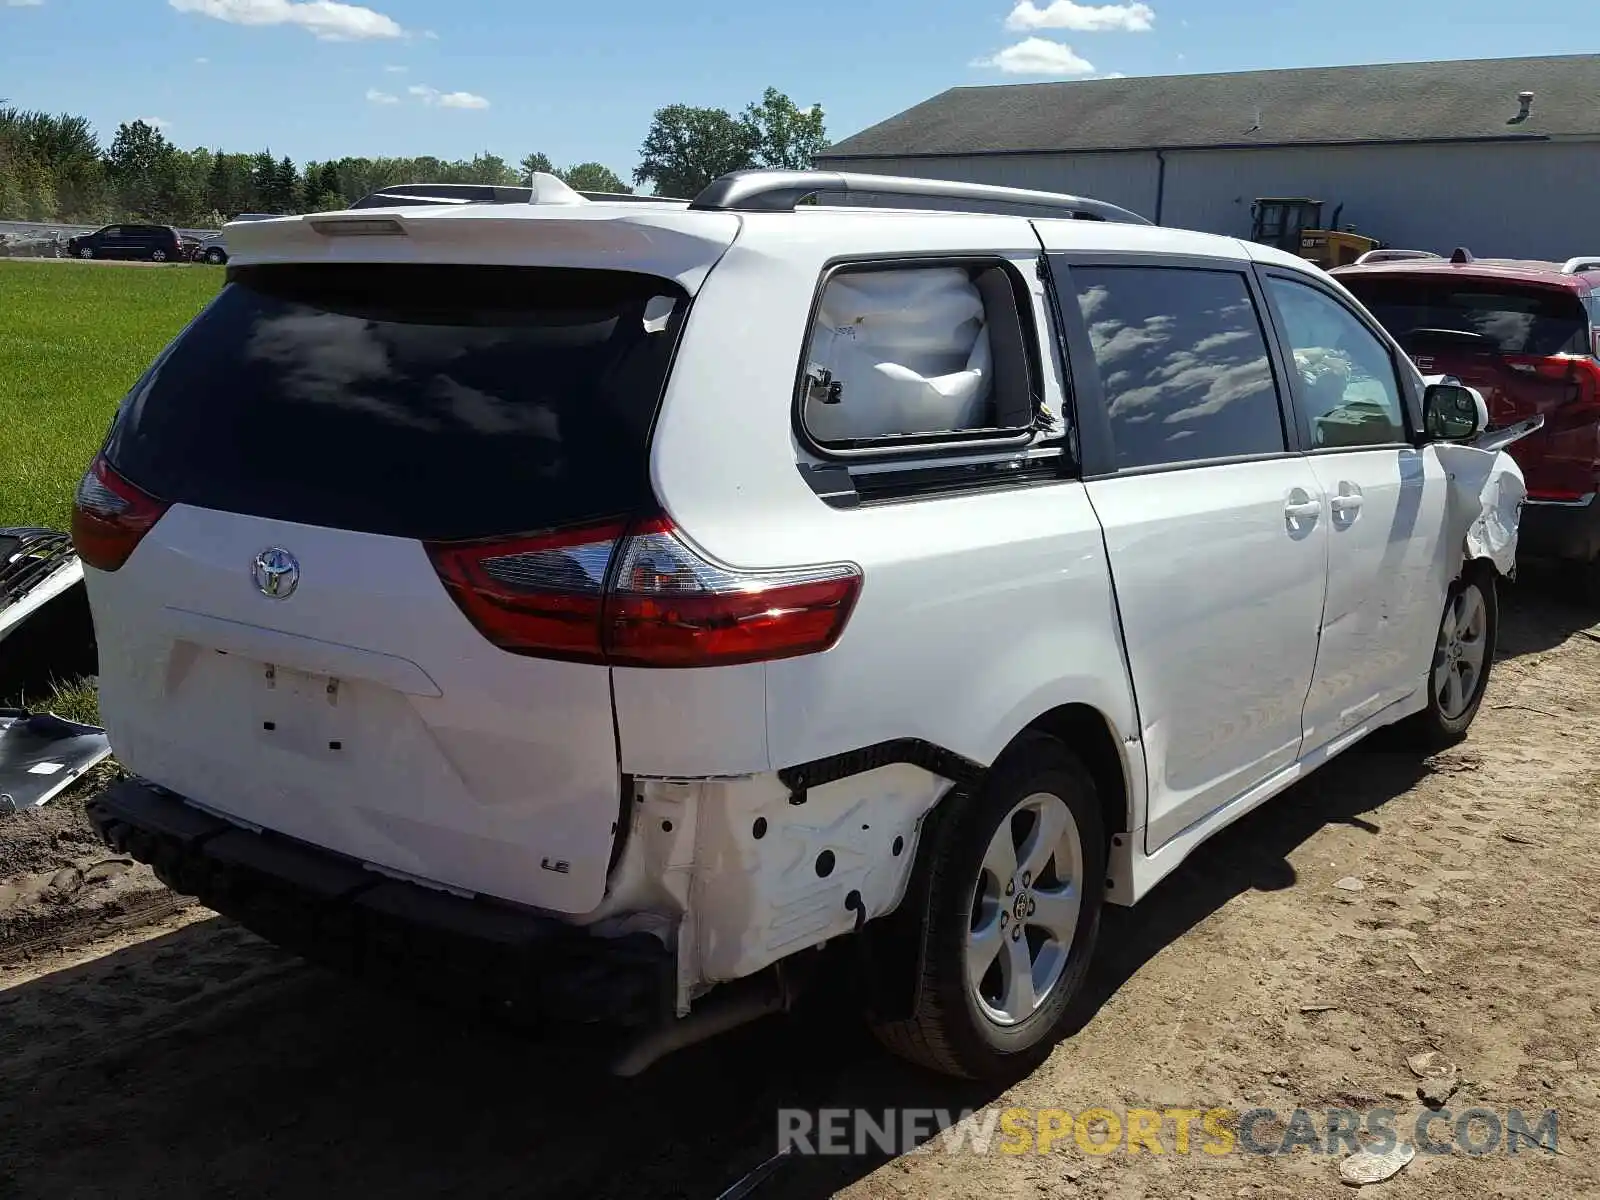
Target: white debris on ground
point(1365, 1167)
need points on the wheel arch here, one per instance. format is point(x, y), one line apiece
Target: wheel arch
point(892, 945)
point(1088, 733)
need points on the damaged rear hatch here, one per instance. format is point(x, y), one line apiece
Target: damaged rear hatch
point(296, 643)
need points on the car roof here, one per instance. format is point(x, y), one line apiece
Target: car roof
point(1481, 270)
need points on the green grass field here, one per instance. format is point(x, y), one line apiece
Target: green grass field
point(73, 338)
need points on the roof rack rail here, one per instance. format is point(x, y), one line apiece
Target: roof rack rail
point(780, 191)
point(1391, 255)
point(1585, 262)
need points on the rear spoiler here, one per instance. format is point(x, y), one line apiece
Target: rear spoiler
point(651, 239)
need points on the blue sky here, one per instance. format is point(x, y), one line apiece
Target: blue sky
point(317, 79)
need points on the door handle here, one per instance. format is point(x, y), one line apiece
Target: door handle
point(1346, 503)
point(1303, 510)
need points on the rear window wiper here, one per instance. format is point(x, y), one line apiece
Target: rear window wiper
point(1465, 338)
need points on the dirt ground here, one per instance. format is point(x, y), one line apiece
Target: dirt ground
point(187, 1058)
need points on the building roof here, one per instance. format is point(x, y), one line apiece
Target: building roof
point(1393, 102)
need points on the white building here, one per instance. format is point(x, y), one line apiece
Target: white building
point(1499, 155)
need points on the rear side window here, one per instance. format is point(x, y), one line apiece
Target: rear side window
point(1500, 318)
point(908, 354)
point(419, 401)
point(1183, 364)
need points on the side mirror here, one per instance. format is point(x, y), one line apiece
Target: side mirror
point(1452, 412)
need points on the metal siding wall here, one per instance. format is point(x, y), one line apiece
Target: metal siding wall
point(1532, 200)
point(1125, 179)
point(1536, 200)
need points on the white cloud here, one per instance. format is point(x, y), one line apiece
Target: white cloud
point(1082, 18)
point(394, 70)
point(328, 20)
point(156, 122)
point(378, 97)
point(430, 95)
point(24, 3)
point(202, 60)
point(1038, 56)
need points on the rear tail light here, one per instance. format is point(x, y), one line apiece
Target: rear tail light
point(641, 597)
point(542, 596)
point(110, 516)
point(1579, 372)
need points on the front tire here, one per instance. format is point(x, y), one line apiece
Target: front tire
point(1016, 893)
point(1462, 658)
point(216, 257)
point(86, 253)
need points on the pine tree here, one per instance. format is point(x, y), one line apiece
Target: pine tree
point(288, 184)
point(219, 189)
point(263, 183)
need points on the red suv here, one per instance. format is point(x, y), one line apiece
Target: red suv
point(1527, 335)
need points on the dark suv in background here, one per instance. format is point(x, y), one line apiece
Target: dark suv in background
point(1527, 335)
point(146, 243)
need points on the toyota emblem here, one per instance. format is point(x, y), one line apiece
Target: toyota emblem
point(276, 572)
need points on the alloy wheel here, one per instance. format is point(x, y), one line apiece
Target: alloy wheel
point(1025, 905)
point(1459, 657)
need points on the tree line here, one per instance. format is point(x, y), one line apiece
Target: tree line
point(54, 168)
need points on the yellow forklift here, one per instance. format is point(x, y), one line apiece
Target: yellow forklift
point(1296, 225)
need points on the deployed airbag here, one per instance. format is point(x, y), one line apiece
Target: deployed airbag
point(895, 352)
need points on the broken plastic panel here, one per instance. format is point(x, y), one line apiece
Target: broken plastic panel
point(41, 755)
point(36, 566)
point(1487, 490)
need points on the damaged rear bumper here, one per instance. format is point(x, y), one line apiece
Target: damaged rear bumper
point(332, 910)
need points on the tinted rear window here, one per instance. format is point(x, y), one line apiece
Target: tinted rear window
point(419, 401)
point(1510, 319)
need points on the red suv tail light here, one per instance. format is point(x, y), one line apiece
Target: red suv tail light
point(110, 517)
point(1579, 372)
point(641, 597)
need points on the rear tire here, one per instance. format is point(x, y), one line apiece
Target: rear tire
point(158, 256)
point(991, 1004)
point(1462, 659)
